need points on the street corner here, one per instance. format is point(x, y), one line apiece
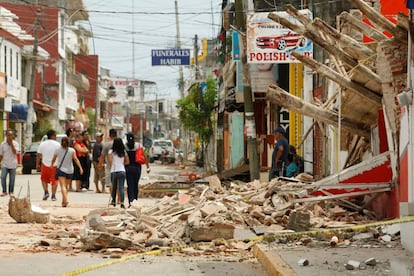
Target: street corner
point(271, 261)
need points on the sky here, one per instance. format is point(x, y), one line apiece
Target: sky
point(111, 22)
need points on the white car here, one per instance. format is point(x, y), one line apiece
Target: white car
point(58, 138)
point(161, 148)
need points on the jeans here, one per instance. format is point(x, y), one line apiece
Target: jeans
point(118, 179)
point(12, 177)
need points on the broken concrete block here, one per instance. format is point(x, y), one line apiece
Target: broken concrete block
point(337, 211)
point(299, 221)
point(371, 262)
point(363, 236)
point(351, 265)
point(259, 229)
point(392, 229)
point(303, 262)
point(212, 232)
point(386, 238)
point(210, 209)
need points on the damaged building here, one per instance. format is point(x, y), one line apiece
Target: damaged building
point(336, 80)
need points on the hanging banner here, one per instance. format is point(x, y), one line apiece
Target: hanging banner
point(271, 42)
point(235, 46)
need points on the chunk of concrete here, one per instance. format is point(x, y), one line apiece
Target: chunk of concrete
point(371, 262)
point(351, 265)
point(303, 262)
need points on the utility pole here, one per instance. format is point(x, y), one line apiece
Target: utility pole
point(30, 109)
point(252, 152)
point(180, 68)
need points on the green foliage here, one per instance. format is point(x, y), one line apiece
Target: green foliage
point(195, 110)
point(91, 115)
point(40, 128)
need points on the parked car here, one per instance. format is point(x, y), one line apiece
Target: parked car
point(162, 149)
point(29, 158)
point(281, 42)
point(58, 138)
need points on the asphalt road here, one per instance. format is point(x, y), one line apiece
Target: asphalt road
point(15, 262)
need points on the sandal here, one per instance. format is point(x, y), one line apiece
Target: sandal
point(65, 204)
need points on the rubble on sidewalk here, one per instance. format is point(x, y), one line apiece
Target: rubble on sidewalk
point(221, 217)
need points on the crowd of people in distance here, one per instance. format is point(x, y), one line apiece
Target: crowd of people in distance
point(71, 161)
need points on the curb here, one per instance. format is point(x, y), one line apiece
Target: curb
point(272, 262)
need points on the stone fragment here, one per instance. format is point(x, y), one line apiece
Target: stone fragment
point(371, 262)
point(386, 238)
point(363, 236)
point(351, 265)
point(299, 221)
point(303, 262)
point(212, 232)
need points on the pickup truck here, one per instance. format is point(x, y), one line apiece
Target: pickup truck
point(159, 147)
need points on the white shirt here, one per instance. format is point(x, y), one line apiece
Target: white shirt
point(67, 164)
point(9, 158)
point(47, 150)
point(117, 163)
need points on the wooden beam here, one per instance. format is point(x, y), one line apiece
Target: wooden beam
point(361, 26)
point(339, 79)
point(378, 19)
point(348, 44)
point(278, 96)
point(328, 46)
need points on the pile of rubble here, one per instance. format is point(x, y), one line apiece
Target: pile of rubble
point(232, 218)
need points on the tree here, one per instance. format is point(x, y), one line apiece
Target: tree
point(195, 110)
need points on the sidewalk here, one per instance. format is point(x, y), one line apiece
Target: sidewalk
point(323, 260)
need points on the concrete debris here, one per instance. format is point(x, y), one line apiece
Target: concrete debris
point(351, 265)
point(210, 213)
point(371, 262)
point(303, 262)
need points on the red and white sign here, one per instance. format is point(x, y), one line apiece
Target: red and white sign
point(270, 42)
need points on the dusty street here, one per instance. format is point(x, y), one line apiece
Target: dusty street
point(21, 251)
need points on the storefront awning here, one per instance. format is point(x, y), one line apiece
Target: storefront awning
point(18, 113)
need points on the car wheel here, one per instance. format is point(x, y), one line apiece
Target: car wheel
point(281, 45)
point(26, 170)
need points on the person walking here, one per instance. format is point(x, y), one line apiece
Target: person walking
point(70, 133)
point(82, 153)
point(87, 169)
point(280, 154)
point(117, 159)
point(8, 157)
point(133, 169)
point(103, 159)
point(65, 156)
point(99, 172)
point(47, 169)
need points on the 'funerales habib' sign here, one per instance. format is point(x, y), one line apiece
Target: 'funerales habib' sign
point(170, 57)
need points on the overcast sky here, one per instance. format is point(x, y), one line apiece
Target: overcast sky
point(154, 28)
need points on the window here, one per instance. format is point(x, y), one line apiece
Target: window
point(17, 66)
point(5, 59)
point(11, 62)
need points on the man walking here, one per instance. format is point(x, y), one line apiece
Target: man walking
point(8, 157)
point(104, 156)
point(280, 154)
point(99, 171)
point(45, 152)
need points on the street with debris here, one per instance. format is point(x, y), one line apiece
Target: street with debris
point(235, 228)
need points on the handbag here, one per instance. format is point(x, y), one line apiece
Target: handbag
point(60, 165)
point(140, 156)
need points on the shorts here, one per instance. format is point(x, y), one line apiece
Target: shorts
point(65, 175)
point(47, 174)
point(99, 173)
